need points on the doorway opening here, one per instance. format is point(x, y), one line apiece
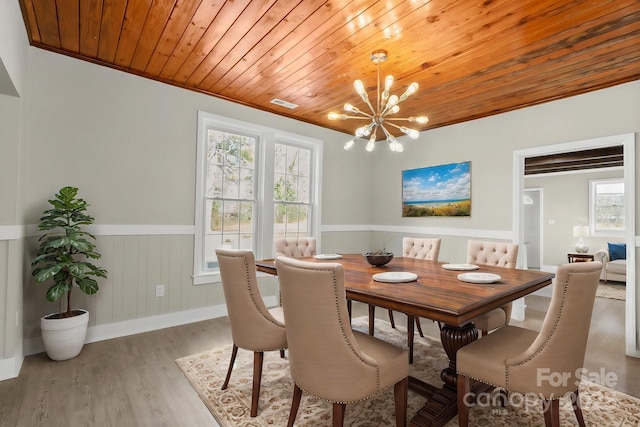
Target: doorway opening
point(627, 141)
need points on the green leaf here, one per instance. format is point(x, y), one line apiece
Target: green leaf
point(88, 286)
point(55, 292)
point(43, 274)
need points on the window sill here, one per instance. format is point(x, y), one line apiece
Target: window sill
point(213, 278)
point(206, 279)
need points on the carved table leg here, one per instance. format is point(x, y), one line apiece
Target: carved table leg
point(454, 338)
point(441, 405)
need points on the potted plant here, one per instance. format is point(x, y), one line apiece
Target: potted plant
point(63, 255)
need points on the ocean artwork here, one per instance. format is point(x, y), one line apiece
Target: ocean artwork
point(443, 190)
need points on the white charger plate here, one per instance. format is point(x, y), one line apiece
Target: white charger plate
point(479, 277)
point(328, 256)
point(395, 277)
point(460, 267)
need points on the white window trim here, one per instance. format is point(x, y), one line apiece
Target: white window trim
point(592, 216)
point(267, 137)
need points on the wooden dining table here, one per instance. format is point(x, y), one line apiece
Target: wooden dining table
point(436, 294)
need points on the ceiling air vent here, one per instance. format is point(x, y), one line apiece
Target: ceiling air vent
point(285, 104)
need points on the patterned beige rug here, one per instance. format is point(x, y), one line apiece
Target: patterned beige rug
point(206, 371)
point(612, 290)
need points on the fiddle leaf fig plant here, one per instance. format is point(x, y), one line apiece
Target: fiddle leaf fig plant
point(65, 249)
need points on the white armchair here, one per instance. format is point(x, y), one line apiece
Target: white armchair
point(611, 270)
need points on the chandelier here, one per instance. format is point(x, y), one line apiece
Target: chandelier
point(381, 114)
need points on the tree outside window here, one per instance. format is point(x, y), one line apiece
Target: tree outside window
point(230, 193)
point(291, 191)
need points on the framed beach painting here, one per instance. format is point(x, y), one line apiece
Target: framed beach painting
point(443, 190)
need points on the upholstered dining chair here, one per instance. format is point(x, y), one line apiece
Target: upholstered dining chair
point(295, 247)
point(524, 361)
point(414, 247)
point(500, 254)
point(326, 357)
point(253, 326)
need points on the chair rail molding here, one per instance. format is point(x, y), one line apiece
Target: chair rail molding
point(12, 232)
point(410, 229)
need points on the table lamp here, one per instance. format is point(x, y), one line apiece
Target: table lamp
point(581, 231)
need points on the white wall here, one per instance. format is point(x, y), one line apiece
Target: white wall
point(566, 203)
point(129, 144)
point(13, 55)
point(489, 144)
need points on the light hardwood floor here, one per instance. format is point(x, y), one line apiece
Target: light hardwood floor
point(134, 381)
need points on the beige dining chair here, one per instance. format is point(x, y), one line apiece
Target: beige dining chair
point(500, 254)
point(253, 326)
point(295, 247)
point(524, 361)
point(327, 358)
point(420, 248)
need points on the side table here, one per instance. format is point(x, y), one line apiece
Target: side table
point(580, 257)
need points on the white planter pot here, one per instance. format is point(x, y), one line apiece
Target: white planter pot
point(64, 338)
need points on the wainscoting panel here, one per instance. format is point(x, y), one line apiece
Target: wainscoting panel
point(4, 270)
point(136, 265)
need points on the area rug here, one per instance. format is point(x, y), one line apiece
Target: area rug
point(612, 290)
point(206, 372)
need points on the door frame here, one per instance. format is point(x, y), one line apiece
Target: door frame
point(540, 225)
point(628, 143)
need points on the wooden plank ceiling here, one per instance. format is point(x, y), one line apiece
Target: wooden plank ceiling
point(471, 58)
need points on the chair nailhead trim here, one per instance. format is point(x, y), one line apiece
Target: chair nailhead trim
point(341, 323)
point(253, 296)
point(553, 330)
point(352, 401)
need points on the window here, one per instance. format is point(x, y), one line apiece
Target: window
point(606, 207)
point(253, 184)
point(229, 192)
point(291, 191)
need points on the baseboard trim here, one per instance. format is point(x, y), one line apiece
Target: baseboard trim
point(10, 367)
point(153, 323)
point(146, 324)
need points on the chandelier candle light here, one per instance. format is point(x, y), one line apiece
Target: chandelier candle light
point(385, 105)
